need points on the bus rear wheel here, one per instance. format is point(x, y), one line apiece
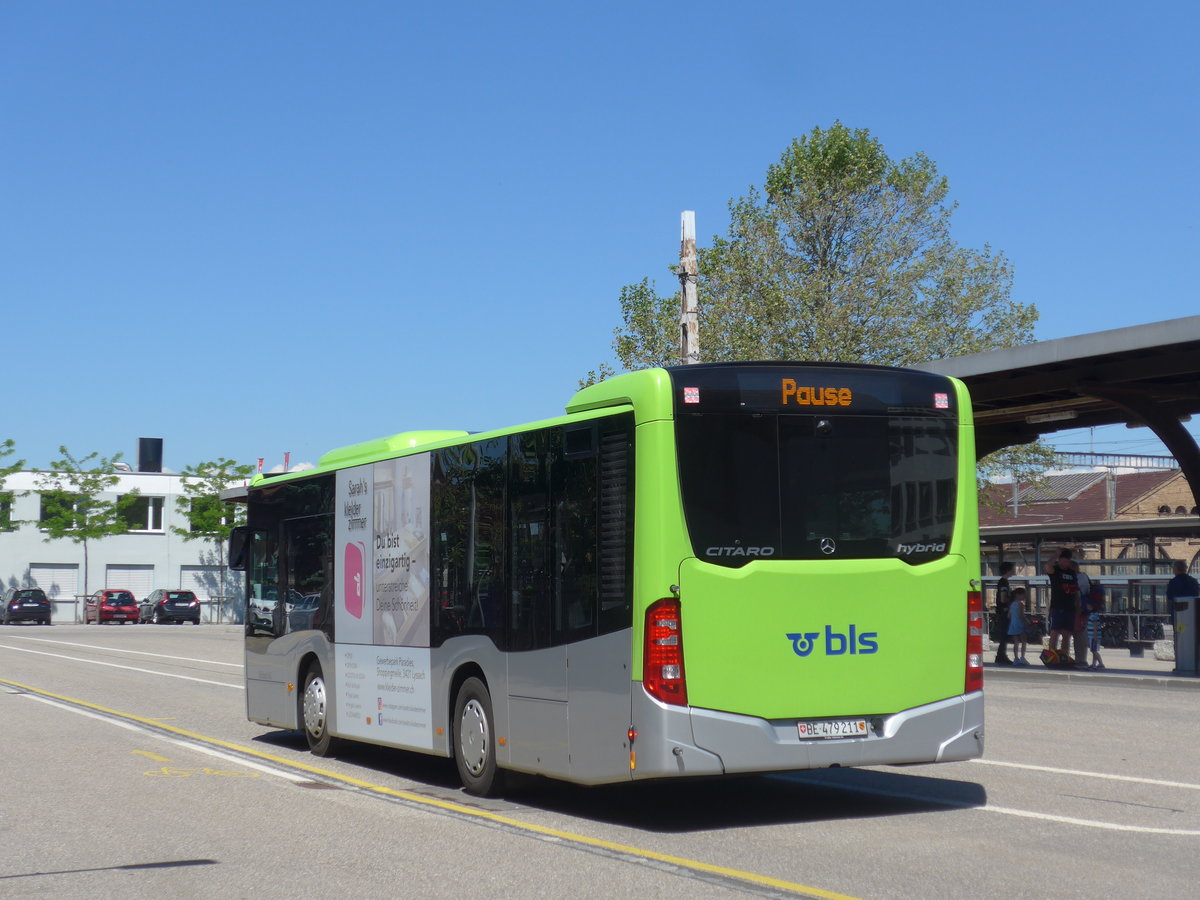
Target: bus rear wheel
point(314, 713)
point(475, 740)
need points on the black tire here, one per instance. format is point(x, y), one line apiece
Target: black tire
point(314, 713)
point(475, 740)
point(156, 617)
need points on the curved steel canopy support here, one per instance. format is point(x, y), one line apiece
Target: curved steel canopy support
point(1165, 425)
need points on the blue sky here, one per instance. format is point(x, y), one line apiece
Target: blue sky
point(251, 228)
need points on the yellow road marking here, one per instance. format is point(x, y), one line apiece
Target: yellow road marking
point(177, 772)
point(457, 808)
point(152, 756)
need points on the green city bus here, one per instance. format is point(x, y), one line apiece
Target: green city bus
point(696, 571)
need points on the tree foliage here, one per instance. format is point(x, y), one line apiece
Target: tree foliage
point(208, 517)
point(1021, 463)
point(72, 505)
point(7, 448)
point(845, 255)
point(200, 503)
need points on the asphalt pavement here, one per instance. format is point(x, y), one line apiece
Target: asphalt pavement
point(1121, 667)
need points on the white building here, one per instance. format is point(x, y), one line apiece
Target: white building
point(149, 556)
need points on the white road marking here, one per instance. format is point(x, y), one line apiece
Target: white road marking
point(200, 748)
point(1089, 823)
point(1002, 810)
point(139, 652)
point(97, 662)
point(1054, 771)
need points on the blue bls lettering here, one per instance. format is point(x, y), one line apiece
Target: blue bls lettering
point(836, 643)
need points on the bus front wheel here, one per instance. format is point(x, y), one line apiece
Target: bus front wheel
point(475, 740)
point(314, 713)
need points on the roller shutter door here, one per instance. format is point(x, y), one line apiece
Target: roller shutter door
point(137, 579)
point(60, 581)
point(205, 583)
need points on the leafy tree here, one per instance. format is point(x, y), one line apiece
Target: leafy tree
point(7, 448)
point(1022, 463)
point(208, 517)
point(72, 507)
point(843, 255)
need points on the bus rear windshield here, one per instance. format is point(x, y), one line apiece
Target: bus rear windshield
point(806, 487)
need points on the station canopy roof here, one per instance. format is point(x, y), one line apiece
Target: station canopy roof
point(1142, 375)
point(1125, 376)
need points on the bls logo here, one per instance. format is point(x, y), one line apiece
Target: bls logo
point(860, 643)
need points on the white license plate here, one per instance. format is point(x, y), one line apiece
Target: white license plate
point(832, 728)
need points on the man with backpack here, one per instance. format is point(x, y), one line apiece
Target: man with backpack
point(1064, 596)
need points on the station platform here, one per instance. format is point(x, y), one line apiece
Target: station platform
point(1120, 667)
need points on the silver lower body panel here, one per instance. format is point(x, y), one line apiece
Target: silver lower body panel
point(695, 742)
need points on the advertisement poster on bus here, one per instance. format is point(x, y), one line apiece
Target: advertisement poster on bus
point(382, 596)
point(384, 694)
point(382, 549)
point(401, 545)
point(353, 532)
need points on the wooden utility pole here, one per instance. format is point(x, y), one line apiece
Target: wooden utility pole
point(689, 319)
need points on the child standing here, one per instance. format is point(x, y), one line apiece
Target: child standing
point(1095, 606)
point(1017, 626)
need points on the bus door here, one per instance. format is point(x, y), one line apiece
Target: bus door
point(537, 670)
point(308, 589)
point(267, 700)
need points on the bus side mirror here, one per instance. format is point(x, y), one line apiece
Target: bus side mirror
point(239, 541)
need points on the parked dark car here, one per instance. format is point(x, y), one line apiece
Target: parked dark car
point(302, 611)
point(110, 605)
point(165, 605)
point(26, 605)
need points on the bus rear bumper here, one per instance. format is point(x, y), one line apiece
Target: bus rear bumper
point(724, 743)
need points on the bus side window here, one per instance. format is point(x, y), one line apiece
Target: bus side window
point(468, 548)
point(615, 538)
point(576, 534)
point(309, 574)
point(263, 596)
point(529, 608)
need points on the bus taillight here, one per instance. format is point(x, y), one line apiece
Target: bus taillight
point(662, 661)
point(974, 680)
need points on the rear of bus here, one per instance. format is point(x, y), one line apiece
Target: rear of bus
point(806, 553)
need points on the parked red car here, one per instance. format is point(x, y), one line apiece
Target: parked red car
point(110, 606)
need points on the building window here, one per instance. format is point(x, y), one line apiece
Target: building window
point(143, 513)
point(207, 515)
point(62, 507)
point(1181, 510)
point(1164, 510)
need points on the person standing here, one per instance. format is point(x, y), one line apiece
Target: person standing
point(1064, 591)
point(1181, 586)
point(1003, 599)
point(1017, 627)
point(1093, 600)
point(1080, 638)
